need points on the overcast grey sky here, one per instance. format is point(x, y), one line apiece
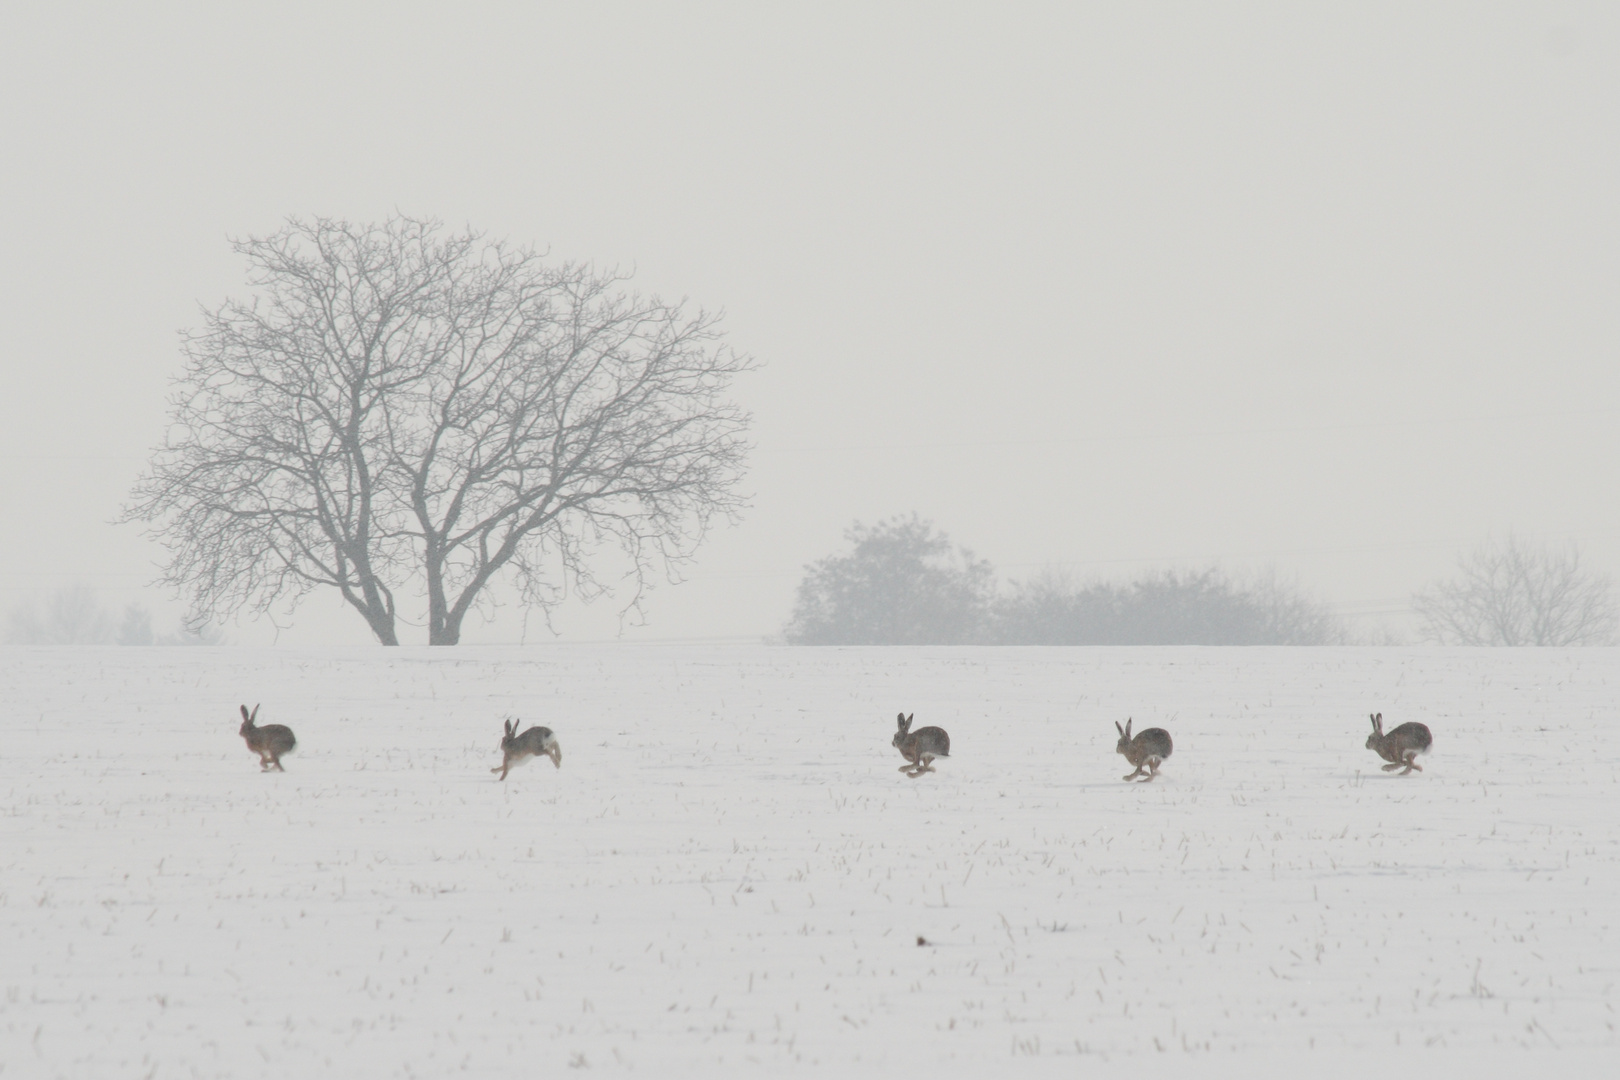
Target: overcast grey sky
point(1331, 288)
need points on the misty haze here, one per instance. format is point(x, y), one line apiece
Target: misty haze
point(397, 394)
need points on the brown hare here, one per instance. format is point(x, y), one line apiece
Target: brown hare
point(1150, 747)
point(920, 747)
point(535, 742)
point(269, 742)
point(1401, 746)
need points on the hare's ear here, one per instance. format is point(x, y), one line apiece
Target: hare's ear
point(255, 715)
point(1377, 722)
point(1127, 727)
point(1119, 729)
point(507, 726)
point(245, 715)
point(900, 719)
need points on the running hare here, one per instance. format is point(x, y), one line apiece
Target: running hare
point(1150, 747)
point(535, 742)
point(1401, 746)
point(920, 747)
point(269, 742)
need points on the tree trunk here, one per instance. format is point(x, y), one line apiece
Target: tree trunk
point(376, 613)
point(384, 629)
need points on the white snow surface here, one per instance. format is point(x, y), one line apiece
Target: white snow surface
point(729, 875)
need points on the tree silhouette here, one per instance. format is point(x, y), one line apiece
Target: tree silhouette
point(398, 410)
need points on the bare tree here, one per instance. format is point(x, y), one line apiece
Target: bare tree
point(75, 615)
point(71, 616)
point(402, 409)
point(1519, 593)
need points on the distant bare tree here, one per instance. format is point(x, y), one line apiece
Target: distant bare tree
point(1519, 593)
point(402, 409)
point(70, 616)
point(75, 615)
point(902, 584)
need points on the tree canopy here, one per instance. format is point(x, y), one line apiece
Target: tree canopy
point(902, 584)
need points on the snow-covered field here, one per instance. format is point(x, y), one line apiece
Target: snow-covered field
point(729, 874)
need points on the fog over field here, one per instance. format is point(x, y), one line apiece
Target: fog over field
point(728, 874)
point(1106, 287)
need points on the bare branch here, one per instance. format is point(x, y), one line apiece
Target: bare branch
point(1519, 593)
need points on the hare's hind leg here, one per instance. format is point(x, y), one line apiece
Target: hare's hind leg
point(1411, 762)
point(1153, 769)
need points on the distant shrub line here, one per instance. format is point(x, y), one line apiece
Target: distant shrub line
point(905, 584)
